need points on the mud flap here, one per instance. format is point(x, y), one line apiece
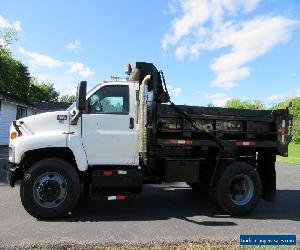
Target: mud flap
point(13, 173)
point(267, 173)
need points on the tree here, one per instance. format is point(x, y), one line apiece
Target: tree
point(67, 98)
point(8, 36)
point(14, 77)
point(238, 104)
point(41, 91)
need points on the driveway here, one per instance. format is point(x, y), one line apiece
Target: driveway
point(164, 213)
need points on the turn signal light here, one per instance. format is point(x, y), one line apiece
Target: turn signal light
point(128, 69)
point(13, 135)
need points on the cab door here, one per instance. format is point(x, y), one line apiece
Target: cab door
point(109, 131)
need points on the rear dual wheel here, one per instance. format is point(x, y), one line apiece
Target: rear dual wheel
point(237, 188)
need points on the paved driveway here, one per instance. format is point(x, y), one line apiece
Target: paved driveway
point(165, 213)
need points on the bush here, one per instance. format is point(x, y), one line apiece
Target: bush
point(296, 129)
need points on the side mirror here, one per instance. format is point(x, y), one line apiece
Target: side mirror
point(80, 102)
point(81, 96)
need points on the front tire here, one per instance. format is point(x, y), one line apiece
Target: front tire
point(237, 188)
point(50, 188)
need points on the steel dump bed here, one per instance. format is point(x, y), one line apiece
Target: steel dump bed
point(219, 113)
point(234, 127)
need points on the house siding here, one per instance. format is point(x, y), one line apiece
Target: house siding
point(7, 115)
point(31, 112)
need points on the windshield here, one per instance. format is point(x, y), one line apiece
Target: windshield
point(92, 89)
point(73, 105)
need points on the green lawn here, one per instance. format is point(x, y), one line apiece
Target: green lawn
point(294, 154)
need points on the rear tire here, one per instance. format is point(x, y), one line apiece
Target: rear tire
point(50, 188)
point(237, 188)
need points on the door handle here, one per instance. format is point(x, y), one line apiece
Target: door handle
point(131, 123)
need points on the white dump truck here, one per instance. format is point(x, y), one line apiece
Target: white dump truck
point(123, 134)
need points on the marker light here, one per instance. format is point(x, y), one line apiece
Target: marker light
point(128, 69)
point(13, 135)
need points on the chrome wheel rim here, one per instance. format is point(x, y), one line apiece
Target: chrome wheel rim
point(241, 189)
point(50, 190)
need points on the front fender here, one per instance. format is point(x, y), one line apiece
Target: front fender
point(23, 144)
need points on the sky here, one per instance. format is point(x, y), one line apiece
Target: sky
point(210, 50)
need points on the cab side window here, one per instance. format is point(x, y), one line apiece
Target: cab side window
point(110, 100)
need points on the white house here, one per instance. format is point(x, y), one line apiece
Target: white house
point(13, 108)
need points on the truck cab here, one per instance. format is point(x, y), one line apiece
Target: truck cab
point(109, 125)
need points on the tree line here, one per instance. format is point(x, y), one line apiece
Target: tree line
point(15, 78)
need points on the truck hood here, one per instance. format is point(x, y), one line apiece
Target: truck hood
point(51, 122)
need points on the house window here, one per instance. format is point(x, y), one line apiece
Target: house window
point(21, 112)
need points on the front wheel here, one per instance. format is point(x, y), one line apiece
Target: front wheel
point(50, 188)
point(237, 188)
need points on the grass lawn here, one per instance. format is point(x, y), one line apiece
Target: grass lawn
point(294, 154)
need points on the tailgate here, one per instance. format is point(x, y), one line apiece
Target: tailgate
point(282, 128)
